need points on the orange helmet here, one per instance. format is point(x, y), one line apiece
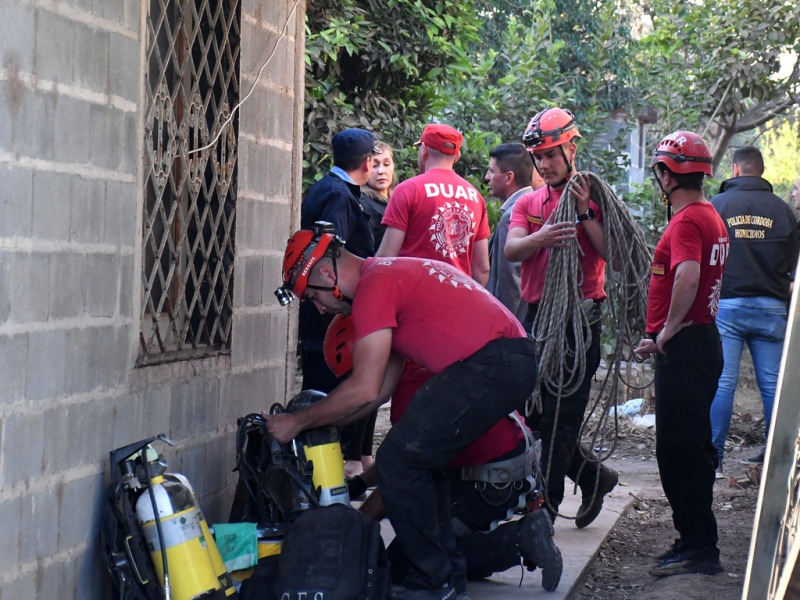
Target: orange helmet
point(551, 127)
point(303, 251)
point(683, 152)
point(338, 345)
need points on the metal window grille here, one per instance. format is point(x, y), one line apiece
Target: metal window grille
point(191, 85)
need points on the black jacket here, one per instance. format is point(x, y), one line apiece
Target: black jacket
point(334, 200)
point(763, 237)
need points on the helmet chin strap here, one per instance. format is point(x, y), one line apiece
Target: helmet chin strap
point(570, 169)
point(666, 194)
point(334, 289)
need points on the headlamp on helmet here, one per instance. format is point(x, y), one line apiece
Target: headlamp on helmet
point(303, 250)
point(549, 128)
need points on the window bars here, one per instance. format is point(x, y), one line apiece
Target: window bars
point(191, 84)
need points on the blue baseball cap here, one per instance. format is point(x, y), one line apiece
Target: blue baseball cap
point(353, 142)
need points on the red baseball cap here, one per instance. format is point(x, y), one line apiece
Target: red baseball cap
point(441, 137)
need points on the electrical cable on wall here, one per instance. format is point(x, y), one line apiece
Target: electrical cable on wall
point(252, 89)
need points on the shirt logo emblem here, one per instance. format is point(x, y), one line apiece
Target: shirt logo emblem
point(452, 229)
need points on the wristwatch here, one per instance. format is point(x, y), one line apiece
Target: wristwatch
point(587, 216)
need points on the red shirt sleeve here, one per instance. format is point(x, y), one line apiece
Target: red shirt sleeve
point(687, 243)
point(397, 211)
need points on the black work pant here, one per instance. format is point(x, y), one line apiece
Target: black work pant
point(559, 425)
point(686, 380)
point(449, 412)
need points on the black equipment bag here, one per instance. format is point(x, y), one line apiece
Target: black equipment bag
point(332, 553)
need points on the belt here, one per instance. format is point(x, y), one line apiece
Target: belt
point(512, 469)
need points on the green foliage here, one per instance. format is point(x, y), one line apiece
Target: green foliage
point(551, 53)
point(780, 146)
point(380, 66)
point(715, 68)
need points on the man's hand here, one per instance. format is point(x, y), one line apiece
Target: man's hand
point(555, 235)
point(646, 348)
point(581, 189)
point(282, 427)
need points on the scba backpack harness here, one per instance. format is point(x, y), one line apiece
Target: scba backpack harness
point(328, 552)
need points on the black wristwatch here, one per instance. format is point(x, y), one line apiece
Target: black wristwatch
point(587, 216)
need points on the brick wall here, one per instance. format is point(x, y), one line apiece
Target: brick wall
point(71, 147)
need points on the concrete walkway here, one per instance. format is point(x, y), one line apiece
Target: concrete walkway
point(578, 549)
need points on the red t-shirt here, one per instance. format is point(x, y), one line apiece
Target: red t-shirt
point(438, 315)
point(503, 437)
point(442, 215)
point(695, 233)
point(530, 212)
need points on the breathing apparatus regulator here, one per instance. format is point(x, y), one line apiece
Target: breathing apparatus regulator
point(158, 544)
point(681, 152)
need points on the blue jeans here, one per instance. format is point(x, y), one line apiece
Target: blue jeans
point(761, 323)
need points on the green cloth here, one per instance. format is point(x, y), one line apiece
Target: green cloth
point(237, 544)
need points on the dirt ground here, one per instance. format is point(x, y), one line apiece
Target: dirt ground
point(620, 570)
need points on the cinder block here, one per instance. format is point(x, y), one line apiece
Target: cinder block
point(114, 356)
point(120, 217)
point(132, 14)
point(22, 587)
point(10, 511)
point(73, 131)
point(79, 511)
point(67, 285)
point(51, 205)
point(56, 581)
point(16, 210)
point(125, 307)
point(83, 363)
point(46, 364)
point(157, 405)
point(272, 266)
point(22, 460)
point(87, 211)
point(104, 141)
point(13, 351)
point(130, 143)
point(30, 286)
point(39, 512)
point(5, 292)
point(191, 462)
point(245, 230)
point(60, 435)
point(102, 284)
point(250, 277)
point(114, 13)
point(38, 114)
point(253, 168)
point(128, 416)
point(195, 406)
point(220, 457)
point(90, 64)
point(276, 107)
point(55, 43)
point(123, 66)
point(278, 175)
point(17, 44)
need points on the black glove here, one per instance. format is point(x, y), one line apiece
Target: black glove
point(356, 486)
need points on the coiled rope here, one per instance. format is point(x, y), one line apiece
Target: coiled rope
point(562, 305)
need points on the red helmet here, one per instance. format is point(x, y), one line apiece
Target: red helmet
point(551, 127)
point(683, 152)
point(338, 345)
point(303, 251)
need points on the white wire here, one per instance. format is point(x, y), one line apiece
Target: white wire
point(252, 89)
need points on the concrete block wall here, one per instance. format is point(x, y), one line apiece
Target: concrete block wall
point(71, 147)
